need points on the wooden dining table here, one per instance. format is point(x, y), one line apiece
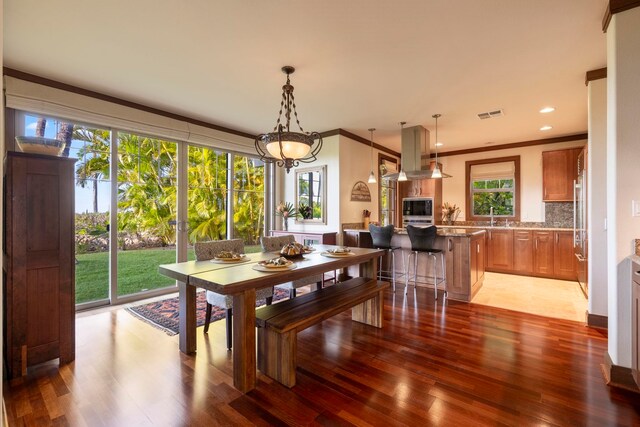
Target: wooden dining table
point(241, 280)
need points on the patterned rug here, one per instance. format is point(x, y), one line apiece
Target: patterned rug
point(164, 314)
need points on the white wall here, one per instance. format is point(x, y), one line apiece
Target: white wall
point(532, 207)
point(355, 165)
point(597, 197)
point(623, 147)
point(329, 156)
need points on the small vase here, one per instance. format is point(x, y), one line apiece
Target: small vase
point(366, 223)
point(285, 223)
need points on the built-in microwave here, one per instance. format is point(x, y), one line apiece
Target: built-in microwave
point(417, 211)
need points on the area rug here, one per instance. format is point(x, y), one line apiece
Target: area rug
point(165, 314)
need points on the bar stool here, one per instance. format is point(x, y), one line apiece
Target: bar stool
point(422, 241)
point(381, 237)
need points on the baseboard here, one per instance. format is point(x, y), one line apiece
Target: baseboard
point(618, 376)
point(597, 320)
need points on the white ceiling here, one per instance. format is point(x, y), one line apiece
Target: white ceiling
point(360, 63)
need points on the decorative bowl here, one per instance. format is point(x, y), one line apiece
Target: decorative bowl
point(40, 145)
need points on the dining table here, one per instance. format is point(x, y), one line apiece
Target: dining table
point(241, 279)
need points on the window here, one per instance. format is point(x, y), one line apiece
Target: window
point(493, 183)
point(388, 190)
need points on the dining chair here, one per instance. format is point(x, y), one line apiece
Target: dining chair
point(275, 243)
point(422, 241)
point(208, 250)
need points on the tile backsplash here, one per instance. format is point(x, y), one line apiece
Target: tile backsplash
point(637, 242)
point(558, 214)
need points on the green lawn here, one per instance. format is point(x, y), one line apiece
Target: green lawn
point(137, 271)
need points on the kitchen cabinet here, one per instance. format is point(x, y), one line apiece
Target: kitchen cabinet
point(523, 252)
point(464, 257)
point(307, 238)
point(543, 254)
point(500, 250)
point(559, 170)
point(564, 260)
point(531, 253)
point(39, 267)
point(424, 188)
point(477, 249)
point(357, 238)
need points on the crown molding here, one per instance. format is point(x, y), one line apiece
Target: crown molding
point(600, 73)
point(617, 6)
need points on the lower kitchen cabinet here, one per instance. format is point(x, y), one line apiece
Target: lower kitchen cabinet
point(531, 253)
point(523, 252)
point(500, 250)
point(465, 266)
point(564, 260)
point(543, 254)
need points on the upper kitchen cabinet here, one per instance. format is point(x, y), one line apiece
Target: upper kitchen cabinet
point(559, 170)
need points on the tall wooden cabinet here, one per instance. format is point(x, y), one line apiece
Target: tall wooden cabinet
point(39, 268)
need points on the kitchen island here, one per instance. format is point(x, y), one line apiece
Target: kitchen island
point(464, 251)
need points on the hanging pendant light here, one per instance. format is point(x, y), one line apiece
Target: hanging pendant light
point(436, 173)
point(372, 176)
point(402, 176)
point(282, 146)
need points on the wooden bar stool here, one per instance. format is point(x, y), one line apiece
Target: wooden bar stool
point(422, 241)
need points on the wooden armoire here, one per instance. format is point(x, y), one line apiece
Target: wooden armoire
point(39, 261)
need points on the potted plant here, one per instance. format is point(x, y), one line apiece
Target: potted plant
point(286, 211)
point(305, 211)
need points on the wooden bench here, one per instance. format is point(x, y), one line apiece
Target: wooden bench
point(278, 324)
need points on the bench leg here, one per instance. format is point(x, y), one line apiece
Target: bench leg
point(277, 355)
point(370, 311)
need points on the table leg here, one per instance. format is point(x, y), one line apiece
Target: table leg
point(244, 340)
point(187, 310)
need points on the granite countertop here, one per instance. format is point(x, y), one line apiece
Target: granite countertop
point(471, 228)
point(443, 232)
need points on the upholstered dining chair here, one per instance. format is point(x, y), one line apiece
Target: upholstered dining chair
point(208, 250)
point(272, 244)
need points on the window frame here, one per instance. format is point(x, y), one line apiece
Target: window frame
point(469, 193)
point(393, 207)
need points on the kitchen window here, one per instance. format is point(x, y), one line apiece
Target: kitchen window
point(387, 205)
point(493, 183)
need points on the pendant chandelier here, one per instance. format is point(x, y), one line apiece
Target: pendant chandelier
point(372, 176)
point(282, 146)
point(436, 172)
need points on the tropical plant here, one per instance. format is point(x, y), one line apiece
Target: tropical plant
point(305, 211)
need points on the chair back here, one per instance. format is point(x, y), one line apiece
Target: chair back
point(275, 243)
point(422, 238)
point(381, 236)
point(208, 250)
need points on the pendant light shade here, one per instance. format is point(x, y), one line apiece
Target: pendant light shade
point(372, 176)
point(402, 176)
point(436, 173)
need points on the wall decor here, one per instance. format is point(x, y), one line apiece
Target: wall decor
point(360, 192)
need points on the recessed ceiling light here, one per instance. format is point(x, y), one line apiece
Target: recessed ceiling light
point(439, 144)
point(546, 127)
point(548, 110)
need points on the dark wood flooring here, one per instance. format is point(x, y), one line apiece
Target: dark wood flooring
point(433, 364)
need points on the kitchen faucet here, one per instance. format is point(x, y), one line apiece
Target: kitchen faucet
point(492, 223)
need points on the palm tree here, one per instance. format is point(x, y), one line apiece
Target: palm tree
point(95, 154)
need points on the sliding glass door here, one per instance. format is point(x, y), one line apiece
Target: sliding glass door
point(142, 201)
point(147, 204)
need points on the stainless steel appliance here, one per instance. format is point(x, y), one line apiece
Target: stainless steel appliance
point(580, 223)
point(417, 211)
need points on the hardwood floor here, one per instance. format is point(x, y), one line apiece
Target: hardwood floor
point(432, 364)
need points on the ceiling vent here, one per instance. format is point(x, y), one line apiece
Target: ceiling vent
point(490, 114)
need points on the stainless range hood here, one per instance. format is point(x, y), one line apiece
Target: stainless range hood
point(415, 139)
